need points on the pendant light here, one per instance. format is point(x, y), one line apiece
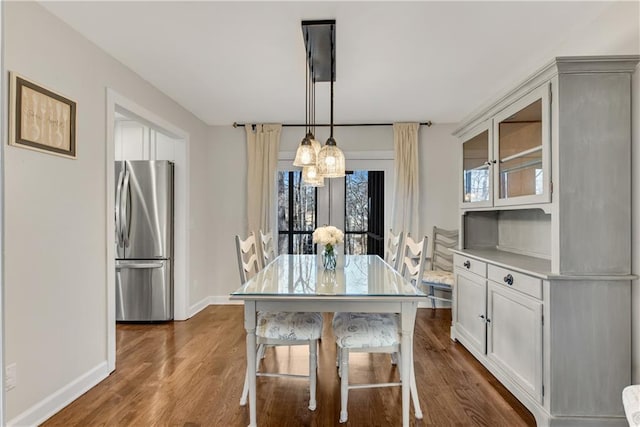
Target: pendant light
point(310, 175)
point(306, 153)
point(331, 161)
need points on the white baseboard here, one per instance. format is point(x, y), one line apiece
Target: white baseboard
point(211, 300)
point(224, 300)
point(49, 406)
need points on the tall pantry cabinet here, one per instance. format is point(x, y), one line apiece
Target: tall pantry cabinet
point(543, 269)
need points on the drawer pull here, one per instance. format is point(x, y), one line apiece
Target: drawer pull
point(467, 264)
point(508, 279)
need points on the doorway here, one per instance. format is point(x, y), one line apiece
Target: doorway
point(160, 140)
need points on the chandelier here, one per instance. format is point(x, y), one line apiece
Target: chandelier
point(327, 161)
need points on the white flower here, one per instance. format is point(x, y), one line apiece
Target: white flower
point(328, 236)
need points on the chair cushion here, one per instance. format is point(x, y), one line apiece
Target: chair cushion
point(365, 330)
point(436, 276)
point(289, 326)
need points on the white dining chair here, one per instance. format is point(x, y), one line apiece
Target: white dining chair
point(440, 274)
point(393, 247)
point(279, 328)
point(378, 333)
point(267, 244)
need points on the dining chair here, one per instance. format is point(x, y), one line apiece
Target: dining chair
point(440, 274)
point(392, 249)
point(268, 247)
point(378, 333)
point(279, 328)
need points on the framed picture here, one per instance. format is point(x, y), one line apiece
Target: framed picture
point(41, 119)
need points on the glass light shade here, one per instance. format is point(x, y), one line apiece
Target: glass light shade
point(306, 154)
point(311, 178)
point(315, 143)
point(331, 163)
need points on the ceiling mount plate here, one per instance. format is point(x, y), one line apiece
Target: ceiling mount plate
point(319, 39)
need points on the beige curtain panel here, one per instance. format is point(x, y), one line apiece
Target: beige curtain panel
point(406, 200)
point(263, 144)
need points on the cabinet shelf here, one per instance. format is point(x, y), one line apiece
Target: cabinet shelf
point(522, 154)
point(527, 165)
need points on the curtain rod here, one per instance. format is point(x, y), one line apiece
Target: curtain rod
point(286, 125)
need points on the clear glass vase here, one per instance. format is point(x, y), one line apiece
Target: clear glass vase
point(329, 259)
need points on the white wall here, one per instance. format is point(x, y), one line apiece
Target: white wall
point(226, 158)
point(55, 218)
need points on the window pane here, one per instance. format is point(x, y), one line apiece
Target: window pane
point(355, 244)
point(283, 201)
point(302, 244)
point(283, 244)
point(304, 205)
point(357, 202)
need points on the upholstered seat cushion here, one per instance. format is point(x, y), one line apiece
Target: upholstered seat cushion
point(365, 330)
point(289, 326)
point(437, 276)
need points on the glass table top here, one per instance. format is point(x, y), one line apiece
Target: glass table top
point(302, 275)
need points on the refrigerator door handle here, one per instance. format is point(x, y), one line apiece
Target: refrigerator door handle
point(119, 239)
point(139, 265)
point(124, 209)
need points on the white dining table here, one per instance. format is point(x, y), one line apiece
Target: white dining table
point(360, 283)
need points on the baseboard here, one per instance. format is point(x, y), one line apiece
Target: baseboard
point(49, 406)
point(211, 300)
point(224, 300)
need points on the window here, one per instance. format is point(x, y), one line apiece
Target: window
point(296, 214)
point(364, 212)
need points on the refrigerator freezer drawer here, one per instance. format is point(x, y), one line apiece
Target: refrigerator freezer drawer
point(144, 291)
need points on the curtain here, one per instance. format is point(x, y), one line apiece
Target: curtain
point(262, 164)
point(406, 200)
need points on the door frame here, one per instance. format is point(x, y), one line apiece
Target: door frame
point(117, 102)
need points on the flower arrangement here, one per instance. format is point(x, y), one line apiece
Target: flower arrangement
point(329, 236)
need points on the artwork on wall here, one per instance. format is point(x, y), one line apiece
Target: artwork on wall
point(40, 119)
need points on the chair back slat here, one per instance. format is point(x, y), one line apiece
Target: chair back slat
point(268, 247)
point(414, 259)
point(392, 250)
point(441, 256)
point(248, 263)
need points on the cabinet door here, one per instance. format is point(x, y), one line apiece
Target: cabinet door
point(514, 336)
point(522, 150)
point(470, 305)
point(477, 189)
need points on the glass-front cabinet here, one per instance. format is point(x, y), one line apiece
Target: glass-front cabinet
point(476, 168)
point(521, 149)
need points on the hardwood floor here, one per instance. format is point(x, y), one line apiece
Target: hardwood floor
point(191, 374)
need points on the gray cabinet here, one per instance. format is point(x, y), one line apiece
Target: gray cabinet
point(514, 337)
point(471, 297)
point(553, 240)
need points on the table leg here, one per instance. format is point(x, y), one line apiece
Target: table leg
point(405, 348)
point(250, 326)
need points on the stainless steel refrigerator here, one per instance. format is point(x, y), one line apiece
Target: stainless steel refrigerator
point(144, 240)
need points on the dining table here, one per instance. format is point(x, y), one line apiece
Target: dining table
point(359, 283)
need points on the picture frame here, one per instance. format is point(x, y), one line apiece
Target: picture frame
point(41, 119)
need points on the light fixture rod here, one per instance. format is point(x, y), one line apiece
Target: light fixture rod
point(333, 75)
point(428, 123)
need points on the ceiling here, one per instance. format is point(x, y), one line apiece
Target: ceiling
point(395, 61)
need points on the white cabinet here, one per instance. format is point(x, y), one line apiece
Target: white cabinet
point(477, 176)
point(514, 336)
point(499, 323)
point(506, 158)
point(471, 298)
point(521, 135)
point(543, 268)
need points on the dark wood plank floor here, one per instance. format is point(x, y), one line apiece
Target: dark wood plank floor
point(191, 374)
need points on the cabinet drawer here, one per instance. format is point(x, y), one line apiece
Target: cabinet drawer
point(470, 264)
point(529, 285)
